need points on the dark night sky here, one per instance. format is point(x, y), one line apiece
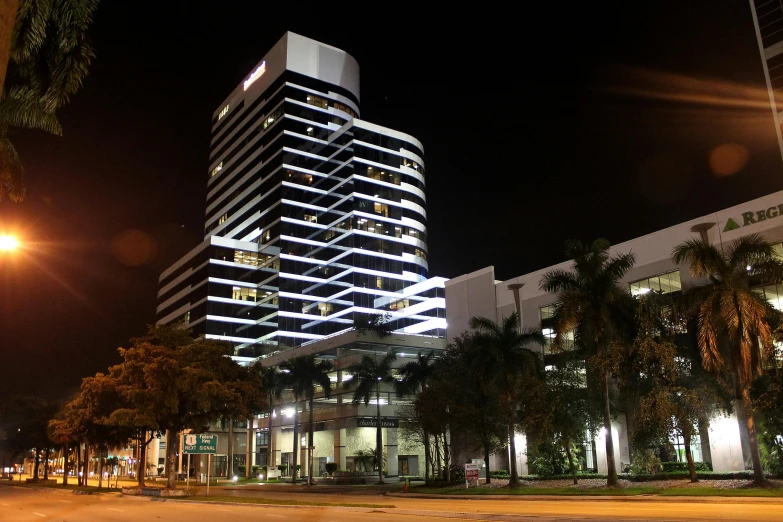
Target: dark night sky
point(539, 124)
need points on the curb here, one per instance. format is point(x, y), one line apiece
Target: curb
point(597, 498)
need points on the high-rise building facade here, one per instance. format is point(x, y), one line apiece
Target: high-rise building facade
point(768, 19)
point(314, 217)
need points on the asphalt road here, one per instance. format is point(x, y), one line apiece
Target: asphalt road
point(24, 505)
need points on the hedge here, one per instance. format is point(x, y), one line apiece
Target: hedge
point(715, 475)
point(670, 467)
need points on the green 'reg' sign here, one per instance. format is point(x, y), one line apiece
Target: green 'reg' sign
point(200, 443)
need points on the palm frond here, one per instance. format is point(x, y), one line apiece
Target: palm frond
point(11, 172)
point(748, 251)
point(22, 108)
point(704, 259)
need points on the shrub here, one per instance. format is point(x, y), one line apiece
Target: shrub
point(255, 470)
point(670, 467)
point(241, 469)
point(645, 462)
point(499, 474)
point(331, 467)
point(457, 472)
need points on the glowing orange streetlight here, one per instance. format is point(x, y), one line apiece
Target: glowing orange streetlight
point(8, 243)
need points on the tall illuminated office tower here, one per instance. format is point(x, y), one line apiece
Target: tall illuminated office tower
point(313, 216)
point(768, 19)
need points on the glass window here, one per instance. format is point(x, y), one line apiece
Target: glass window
point(241, 293)
point(246, 258)
point(317, 101)
point(381, 208)
point(222, 219)
point(420, 253)
point(547, 313)
point(310, 218)
point(667, 283)
point(217, 169)
point(325, 308)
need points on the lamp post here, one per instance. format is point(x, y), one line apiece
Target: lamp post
point(514, 287)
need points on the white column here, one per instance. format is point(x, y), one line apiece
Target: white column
point(391, 451)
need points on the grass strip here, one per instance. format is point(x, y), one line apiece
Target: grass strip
point(716, 492)
point(609, 492)
point(276, 501)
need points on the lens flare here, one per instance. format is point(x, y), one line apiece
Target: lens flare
point(8, 243)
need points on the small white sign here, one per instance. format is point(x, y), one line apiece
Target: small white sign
point(471, 475)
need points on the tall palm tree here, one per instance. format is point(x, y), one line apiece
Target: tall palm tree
point(504, 360)
point(272, 382)
point(592, 303)
point(44, 56)
point(368, 375)
point(304, 374)
point(733, 320)
point(414, 376)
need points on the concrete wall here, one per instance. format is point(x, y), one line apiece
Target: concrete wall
point(471, 295)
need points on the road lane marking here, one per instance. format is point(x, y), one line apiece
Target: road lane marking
point(39, 514)
point(276, 516)
point(226, 510)
point(67, 501)
point(120, 510)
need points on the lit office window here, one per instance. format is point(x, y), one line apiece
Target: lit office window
point(217, 169)
point(246, 258)
point(339, 106)
point(325, 308)
point(399, 304)
point(382, 175)
point(222, 219)
point(317, 101)
point(381, 208)
point(667, 283)
point(379, 282)
point(310, 218)
point(420, 253)
point(241, 293)
point(223, 112)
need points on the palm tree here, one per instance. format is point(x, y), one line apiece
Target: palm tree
point(303, 377)
point(273, 389)
point(733, 320)
point(414, 376)
point(368, 375)
point(503, 360)
point(592, 303)
point(44, 56)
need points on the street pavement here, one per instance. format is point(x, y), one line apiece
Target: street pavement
point(19, 504)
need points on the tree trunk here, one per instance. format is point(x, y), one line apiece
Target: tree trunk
point(571, 467)
point(689, 458)
point(86, 471)
point(78, 459)
point(486, 462)
point(100, 468)
point(512, 455)
point(36, 463)
point(46, 463)
point(270, 457)
point(249, 450)
point(8, 9)
point(437, 458)
point(378, 434)
point(65, 465)
point(230, 472)
point(426, 457)
point(297, 444)
point(310, 445)
point(611, 470)
point(446, 458)
point(747, 404)
point(171, 459)
point(141, 465)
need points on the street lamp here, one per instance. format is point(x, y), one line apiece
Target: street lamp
point(8, 243)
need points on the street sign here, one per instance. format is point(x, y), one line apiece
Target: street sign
point(200, 443)
point(471, 475)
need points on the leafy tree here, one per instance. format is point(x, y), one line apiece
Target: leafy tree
point(473, 412)
point(25, 419)
point(503, 364)
point(733, 321)
point(671, 396)
point(368, 375)
point(170, 382)
point(413, 378)
point(560, 411)
point(304, 374)
point(44, 56)
point(591, 302)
